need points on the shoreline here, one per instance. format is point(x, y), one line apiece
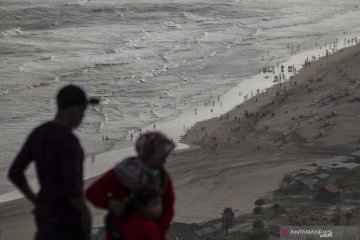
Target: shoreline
point(228, 102)
point(195, 175)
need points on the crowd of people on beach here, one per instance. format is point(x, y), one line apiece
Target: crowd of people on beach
point(137, 193)
point(280, 74)
point(247, 121)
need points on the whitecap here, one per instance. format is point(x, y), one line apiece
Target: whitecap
point(170, 25)
point(47, 58)
point(12, 32)
point(112, 51)
point(146, 33)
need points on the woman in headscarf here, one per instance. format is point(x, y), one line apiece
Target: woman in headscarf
point(115, 187)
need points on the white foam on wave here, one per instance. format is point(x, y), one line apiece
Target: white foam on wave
point(131, 44)
point(182, 77)
point(77, 3)
point(113, 51)
point(146, 33)
point(212, 54)
point(171, 25)
point(25, 86)
point(124, 78)
point(195, 18)
point(12, 32)
point(47, 58)
point(155, 114)
point(155, 72)
point(166, 54)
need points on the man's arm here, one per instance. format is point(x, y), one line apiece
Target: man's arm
point(17, 169)
point(80, 205)
point(28, 192)
point(72, 169)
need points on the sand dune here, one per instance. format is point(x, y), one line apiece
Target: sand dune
point(312, 117)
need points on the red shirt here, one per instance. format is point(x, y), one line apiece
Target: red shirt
point(58, 157)
point(140, 228)
point(108, 186)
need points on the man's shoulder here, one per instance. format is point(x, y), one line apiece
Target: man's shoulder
point(40, 128)
point(51, 125)
point(61, 131)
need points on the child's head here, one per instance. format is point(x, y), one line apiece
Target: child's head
point(146, 201)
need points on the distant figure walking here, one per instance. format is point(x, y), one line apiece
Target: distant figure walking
point(60, 209)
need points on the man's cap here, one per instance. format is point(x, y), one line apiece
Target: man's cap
point(74, 95)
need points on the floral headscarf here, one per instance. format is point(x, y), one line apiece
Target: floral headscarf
point(148, 146)
point(153, 145)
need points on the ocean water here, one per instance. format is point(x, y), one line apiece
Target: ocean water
point(147, 60)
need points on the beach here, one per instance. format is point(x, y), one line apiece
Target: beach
point(308, 119)
point(243, 155)
point(200, 71)
point(165, 58)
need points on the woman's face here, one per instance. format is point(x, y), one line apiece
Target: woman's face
point(156, 162)
point(154, 209)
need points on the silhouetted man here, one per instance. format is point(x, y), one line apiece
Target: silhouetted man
point(60, 209)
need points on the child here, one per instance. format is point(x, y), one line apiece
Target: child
point(140, 213)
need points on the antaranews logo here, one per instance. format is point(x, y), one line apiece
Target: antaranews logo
point(297, 232)
point(288, 232)
point(285, 232)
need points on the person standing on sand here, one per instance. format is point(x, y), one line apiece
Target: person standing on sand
point(112, 190)
point(60, 209)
